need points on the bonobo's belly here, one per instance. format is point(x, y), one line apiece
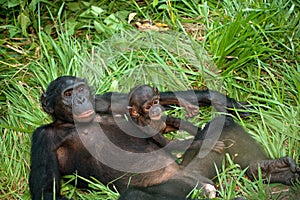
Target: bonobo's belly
point(107, 152)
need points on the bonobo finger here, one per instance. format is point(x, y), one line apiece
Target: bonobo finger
point(219, 147)
point(241, 107)
point(282, 170)
point(192, 110)
point(290, 162)
point(294, 168)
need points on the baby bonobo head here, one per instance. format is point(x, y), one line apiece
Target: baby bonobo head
point(69, 99)
point(144, 104)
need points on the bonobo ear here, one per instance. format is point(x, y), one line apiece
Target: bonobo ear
point(133, 112)
point(156, 90)
point(48, 108)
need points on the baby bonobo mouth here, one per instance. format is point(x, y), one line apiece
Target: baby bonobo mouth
point(156, 117)
point(86, 116)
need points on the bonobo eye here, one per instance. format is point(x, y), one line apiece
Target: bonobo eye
point(156, 102)
point(81, 88)
point(147, 107)
point(68, 93)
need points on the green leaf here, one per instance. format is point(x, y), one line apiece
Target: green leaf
point(112, 22)
point(86, 4)
point(13, 31)
point(96, 10)
point(13, 3)
point(74, 6)
point(33, 4)
point(25, 22)
point(154, 3)
point(122, 15)
point(163, 7)
point(99, 27)
point(71, 26)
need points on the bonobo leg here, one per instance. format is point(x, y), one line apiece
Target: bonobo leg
point(282, 170)
point(242, 148)
point(172, 189)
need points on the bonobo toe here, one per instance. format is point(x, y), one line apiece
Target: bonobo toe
point(283, 170)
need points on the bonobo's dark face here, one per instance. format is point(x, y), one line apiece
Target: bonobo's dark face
point(69, 99)
point(144, 102)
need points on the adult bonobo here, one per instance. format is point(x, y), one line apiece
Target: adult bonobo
point(109, 149)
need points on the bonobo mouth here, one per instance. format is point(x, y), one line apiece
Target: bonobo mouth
point(155, 117)
point(86, 116)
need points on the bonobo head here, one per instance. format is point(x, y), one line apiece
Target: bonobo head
point(144, 103)
point(69, 99)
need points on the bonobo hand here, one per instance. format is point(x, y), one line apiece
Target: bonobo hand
point(283, 170)
point(221, 106)
point(192, 110)
point(241, 107)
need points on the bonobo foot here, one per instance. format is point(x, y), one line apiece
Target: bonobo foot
point(218, 146)
point(282, 170)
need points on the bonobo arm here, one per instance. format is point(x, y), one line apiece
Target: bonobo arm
point(201, 98)
point(111, 102)
point(174, 124)
point(44, 165)
point(190, 100)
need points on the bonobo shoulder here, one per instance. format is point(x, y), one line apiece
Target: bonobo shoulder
point(50, 133)
point(42, 130)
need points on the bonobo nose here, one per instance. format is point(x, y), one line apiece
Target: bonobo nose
point(80, 100)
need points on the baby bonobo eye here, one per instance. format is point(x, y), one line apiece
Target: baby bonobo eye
point(68, 93)
point(148, 107)
point(156, 102)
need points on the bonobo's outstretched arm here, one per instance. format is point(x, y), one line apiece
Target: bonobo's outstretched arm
point(200, 98)
point(111, 102)
point(44, 164)
point(190, 100)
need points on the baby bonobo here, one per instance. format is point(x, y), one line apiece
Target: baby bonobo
point(146, 111)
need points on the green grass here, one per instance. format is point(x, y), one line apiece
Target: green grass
point(246, 49)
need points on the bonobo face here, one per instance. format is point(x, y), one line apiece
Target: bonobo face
point(78, 98)
point(69, 99)
point(144, 102)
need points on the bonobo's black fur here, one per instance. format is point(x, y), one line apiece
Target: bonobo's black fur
point(113, 102)
point(145, 111)
point(244, 151)
point(107, 148)
point(78, 141)
point(170, 190)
